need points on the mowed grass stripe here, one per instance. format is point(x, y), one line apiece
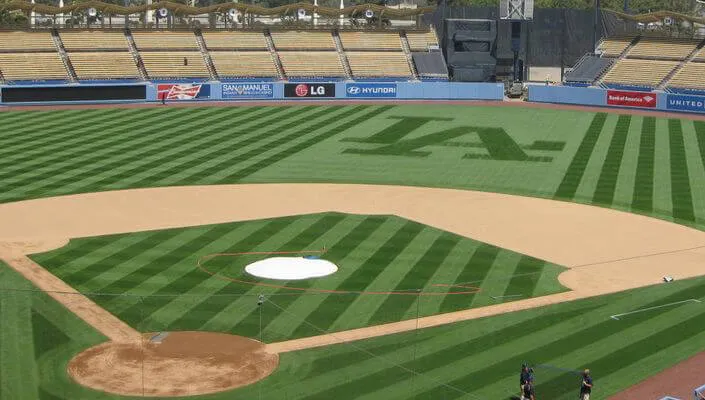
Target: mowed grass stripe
point(87, 166)
point(525, 278)
point(21, 118)
point(91, 167)
point(417, 278)
point(336, 304)
point(302, 241)
point(18, 373)
point(375, 375)
point(607, 182)
point(474, 273)
point(78, 278)
point(67, 137)
point(56, 260)
point(42, 127)
point(700, 135)
point(330, 132)
point(186, 146)
point(576, 169)
point(194, 317)
point(566, 344)
point(680, 180)
point(365, 274)
point(643, 199)
point(71, 150)
point(271, 120)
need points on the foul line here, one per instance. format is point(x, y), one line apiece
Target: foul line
point(616, 316)
point(411, 292)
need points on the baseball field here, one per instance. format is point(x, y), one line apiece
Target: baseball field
point(468, 240)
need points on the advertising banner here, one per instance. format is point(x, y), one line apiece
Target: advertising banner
point(682, 102)
point(183, 91)
point(248, 90)
point(302, 90)
point(377, 90)
point(631, 99)
point(73, 93)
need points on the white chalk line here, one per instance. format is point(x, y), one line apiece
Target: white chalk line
point(507, 296)
point(616, 316)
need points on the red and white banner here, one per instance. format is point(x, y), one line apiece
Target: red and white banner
point(180, 91)
point(631, 99)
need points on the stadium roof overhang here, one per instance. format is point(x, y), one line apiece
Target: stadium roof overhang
point(182, 9)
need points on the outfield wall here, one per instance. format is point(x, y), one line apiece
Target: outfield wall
point(661, 101)
point(217, 91)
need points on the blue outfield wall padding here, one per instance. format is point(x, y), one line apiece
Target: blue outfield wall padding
point(568, 95)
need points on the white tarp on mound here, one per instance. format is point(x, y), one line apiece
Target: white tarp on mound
point(291, 268)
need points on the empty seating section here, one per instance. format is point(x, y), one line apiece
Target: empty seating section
point(32, 66)
point(165, 40)
point(639, 72)
point(311, 63)
point(23, 41)
point(295, 40)
point(104, 65)
point(663, 48)
point(691, 76)
point(171, 64)
point(700, 55)
point(419, 41)
point(249, 64)
point(378, 64)
point(235, 40)
point(613, 47)
point(93, 40)
point(370, 41)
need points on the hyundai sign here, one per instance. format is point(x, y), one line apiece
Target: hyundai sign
point(248, 90)
point(681, 102)
point(371, 90)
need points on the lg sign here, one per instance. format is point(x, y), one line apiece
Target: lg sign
point(298, 90)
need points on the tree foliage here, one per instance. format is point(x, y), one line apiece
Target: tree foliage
point(635, 6)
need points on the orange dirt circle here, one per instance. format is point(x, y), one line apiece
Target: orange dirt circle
point(183, 364)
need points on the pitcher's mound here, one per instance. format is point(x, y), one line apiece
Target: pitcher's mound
point(177, 364)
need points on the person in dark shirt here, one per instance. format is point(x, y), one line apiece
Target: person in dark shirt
point(586, 386)
point(527, 392)
point(524, 377)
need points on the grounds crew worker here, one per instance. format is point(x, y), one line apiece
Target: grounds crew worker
point(523, 378)
point(586, 386)
point(527, 392)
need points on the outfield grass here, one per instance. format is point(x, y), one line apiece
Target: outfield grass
point(641, 164)
point(151, 280)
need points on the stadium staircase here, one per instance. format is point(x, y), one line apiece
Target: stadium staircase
point(622, 55)
point(70, 72)
point(680, 66)
point(2, 78)
point(136, 55)
point(206, 55)
point(407, 52)
point(341, 54)
point(275, 56)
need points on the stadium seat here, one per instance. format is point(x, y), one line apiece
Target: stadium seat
point(303, 40)
point(663, 48)
point(370, 41)
point(311, 63)
point(104, 65)
point(234, 40)
point(647, 73)
point(23, 41)
point(243, 64)
point(32, 66)
point(93, 40)
point(171, 64)
point(691, 76)
point(420, 41)
point(165, 40)
point(613, 47)
point(378, 64)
